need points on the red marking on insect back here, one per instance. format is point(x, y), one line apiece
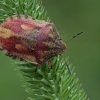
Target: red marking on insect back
point(11, 41)
point(13, 45)
point(19, 26)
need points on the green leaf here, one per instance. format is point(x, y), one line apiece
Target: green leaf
point(32, 8)
point(46, 83)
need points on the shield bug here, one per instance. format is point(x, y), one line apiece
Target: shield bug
point(25, 38)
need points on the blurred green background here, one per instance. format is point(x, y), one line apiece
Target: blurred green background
point(70, 18)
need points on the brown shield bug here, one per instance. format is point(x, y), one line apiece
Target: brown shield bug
point(25, 38)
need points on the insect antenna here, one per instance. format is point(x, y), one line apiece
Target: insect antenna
point(66, 42)
point(67, 65)
point(74, 36)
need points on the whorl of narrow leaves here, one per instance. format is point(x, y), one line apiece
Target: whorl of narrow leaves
point(46, 83)
point(51, 84)
point(32, 8)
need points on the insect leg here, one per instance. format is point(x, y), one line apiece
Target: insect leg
point(68, 68)
point(37, 66)
point(50, 63)
point(67, 65)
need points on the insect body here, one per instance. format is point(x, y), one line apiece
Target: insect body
point(25, 38)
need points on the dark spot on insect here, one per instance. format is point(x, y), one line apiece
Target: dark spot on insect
point(8, 54)
point(26, 16)
point(60, 39)
point(33, 18)
point(18, 16)
point(14, 57)
point(11, 18)
point(38, 28)
point(54, 54)
point(21, 59)
point(32, 51)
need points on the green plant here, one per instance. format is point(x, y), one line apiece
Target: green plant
point(46, 83)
